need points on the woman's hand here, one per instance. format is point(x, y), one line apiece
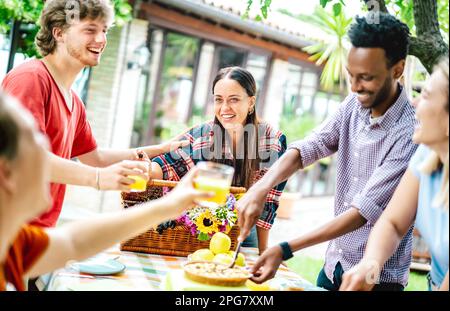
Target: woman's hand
point(140, 155)
point(267, 264)
point(184, 195)
point(361, 277)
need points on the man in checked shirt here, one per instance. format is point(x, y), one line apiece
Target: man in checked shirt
point(371, 133)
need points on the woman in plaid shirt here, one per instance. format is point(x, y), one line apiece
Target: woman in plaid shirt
point(235, 137)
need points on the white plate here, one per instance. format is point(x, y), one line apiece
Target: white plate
point(99, 267)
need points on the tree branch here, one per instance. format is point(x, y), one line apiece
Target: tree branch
point(428, 50)
point(426, 17)
point(377, 5)
point(428, 46)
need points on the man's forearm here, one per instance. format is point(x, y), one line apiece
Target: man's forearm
point(107, 157)
point(82, 239)
point(104, 230)
point(65, 171)
point(343, 224)
point(280, 171)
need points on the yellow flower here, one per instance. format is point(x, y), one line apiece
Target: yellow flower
point(227, 230)
point(238, 196)
point(206, 223)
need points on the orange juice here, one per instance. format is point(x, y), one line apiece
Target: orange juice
point(219, 187)
point(139, 185)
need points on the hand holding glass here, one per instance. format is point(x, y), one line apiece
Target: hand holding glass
point(216, 178)
point(139, 185)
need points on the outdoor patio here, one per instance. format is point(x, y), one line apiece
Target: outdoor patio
point(110, 93)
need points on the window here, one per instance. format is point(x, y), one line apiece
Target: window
point(4, 54)
point(229, 56)
point(291, 90)
point(257, 65)
point(300, 89)
point(176, 84)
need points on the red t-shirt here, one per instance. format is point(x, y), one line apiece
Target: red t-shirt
point(69, 132)
point(29, 244)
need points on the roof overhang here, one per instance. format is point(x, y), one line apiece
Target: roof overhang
point(229, 19)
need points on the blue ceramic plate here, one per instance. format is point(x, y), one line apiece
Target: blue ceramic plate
point(99, 267)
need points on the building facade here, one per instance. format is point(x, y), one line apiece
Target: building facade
point(156, 75)
point(155, 80)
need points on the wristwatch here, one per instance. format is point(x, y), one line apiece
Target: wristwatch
point(287, 251)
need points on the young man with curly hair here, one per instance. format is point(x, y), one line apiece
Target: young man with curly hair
point(72, 36)
point(371, 134)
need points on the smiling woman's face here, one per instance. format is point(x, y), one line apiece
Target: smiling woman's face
point(232, 103)
point(431, 112)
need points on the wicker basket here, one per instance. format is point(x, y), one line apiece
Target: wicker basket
point(173, 242)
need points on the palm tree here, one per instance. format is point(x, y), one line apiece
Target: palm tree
point(333, 52)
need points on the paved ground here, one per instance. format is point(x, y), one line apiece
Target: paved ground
point(307, 215)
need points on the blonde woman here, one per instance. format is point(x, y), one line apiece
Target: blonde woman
point(421, 197)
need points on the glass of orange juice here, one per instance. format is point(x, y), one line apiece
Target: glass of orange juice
point(216, 178)
point(139, 185)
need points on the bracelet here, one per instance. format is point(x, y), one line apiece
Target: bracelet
point(140, 153)
point(97, 178)
point(286, 250)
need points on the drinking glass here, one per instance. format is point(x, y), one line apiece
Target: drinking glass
point(216, 178)
point(139, 185)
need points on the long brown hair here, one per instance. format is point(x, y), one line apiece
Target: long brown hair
point(244, 168)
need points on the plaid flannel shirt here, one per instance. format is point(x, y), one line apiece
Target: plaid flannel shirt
point(272, 145)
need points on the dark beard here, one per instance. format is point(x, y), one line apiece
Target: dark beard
point(383, 94)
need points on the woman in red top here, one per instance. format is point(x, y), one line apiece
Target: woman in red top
point(28, 251)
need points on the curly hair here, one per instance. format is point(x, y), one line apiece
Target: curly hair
point(389, 33)
point(61, 13)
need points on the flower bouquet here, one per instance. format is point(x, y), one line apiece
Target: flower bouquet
point(203, 222)
point(185, 235)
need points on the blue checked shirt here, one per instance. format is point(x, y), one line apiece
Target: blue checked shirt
point(272, 145)
point(371, 159)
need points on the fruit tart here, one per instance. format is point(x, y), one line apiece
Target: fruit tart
point(213, 273)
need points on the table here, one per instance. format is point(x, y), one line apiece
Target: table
point(147, 272)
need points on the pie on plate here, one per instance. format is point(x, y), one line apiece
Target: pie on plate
point(213, 273)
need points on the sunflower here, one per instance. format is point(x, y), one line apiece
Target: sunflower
point(206, 223)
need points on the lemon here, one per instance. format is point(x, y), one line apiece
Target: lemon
point(203, 254)
point(220, 243)
point(223, 259)
point(257, 287)
point(240, 260)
